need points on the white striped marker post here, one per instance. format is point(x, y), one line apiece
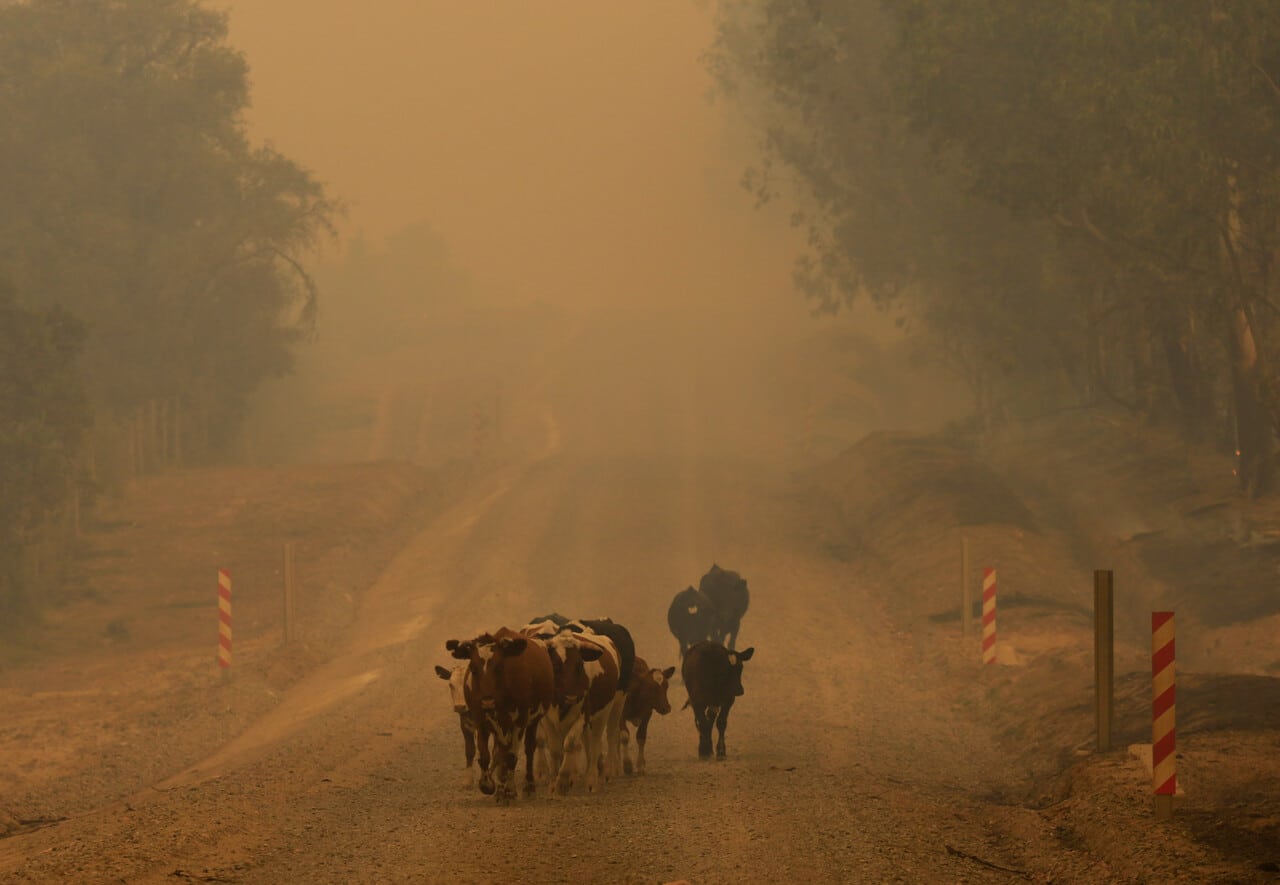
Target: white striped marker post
point(988, 616)
point(1163, 759)
point(224, 619)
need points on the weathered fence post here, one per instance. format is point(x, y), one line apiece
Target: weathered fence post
point(1164, 773)
point(224, 621)
point(988, 616)
point(290, 597)
point(1103, 655)
point(966, 597)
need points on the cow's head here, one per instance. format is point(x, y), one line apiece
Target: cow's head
point(457, 679)
point(488, 662)
point(651, 688)
point(569, 659)
point(736, 660)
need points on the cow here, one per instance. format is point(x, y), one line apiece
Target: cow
point(713, 677)
point(647, 695)
point(557, 619)
point(620, 636)
point(691, 617)
point(459, 679)
point(513, 685)
point(599, 705)
point(728, 593)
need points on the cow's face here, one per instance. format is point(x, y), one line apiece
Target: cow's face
point(736, 660)
point(569, 658)
point(488, 661)
point(457, 679)
point(652, 688)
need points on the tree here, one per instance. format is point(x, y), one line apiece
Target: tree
point(43, 415)
point(1096, 181)
point(887, 217)
point(1148, 129)
point(134, 199)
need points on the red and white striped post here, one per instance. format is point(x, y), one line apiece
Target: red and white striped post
point(1163, 683)
point(224, 620)
point(988, 616)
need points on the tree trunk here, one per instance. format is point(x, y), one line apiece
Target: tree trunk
point(1252, 424)
point(1186, 375)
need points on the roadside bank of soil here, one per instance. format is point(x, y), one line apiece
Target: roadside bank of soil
point(1045, 507)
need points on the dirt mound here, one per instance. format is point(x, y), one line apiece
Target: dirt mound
point(1045, 508)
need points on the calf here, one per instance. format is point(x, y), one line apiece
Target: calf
point(459, 679)
point(728, 594)
point(513, 686)
point(713, 677)
point(691, 617)
point(647, 694)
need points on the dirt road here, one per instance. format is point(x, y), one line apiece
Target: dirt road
point(850, 759)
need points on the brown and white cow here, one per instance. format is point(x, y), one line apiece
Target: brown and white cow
point(513, 686)
point(646, 695)
point(713, 677)
point(459, 679)
point(586, 667)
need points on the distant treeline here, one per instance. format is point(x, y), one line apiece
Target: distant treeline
point(151, 257)
point(1079, 200)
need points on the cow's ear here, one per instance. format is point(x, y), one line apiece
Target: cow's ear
point(746, 653)
point(444, 674)
point(450, 645)
point(462, 651)
point(590, 652)
point(513, 647)
point(668, 673)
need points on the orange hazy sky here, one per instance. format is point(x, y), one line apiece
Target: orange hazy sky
point(564, 148)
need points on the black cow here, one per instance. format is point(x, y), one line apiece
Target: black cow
point(558, 619)
point(728, 593)
point(713, 677)
point(691, 617)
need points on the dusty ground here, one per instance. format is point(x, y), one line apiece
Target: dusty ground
point(870, 745)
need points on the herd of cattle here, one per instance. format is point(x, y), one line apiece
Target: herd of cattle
point(564, 689)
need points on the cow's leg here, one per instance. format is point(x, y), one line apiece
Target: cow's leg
point(703, 716)
point(542, 760)
point(530, 747)
point(624, 738)
point(469, 744)
point(642, 734)
point(613, 737)
point(483, 732)
point(732, 633)
point(567, 773)
point(592, 726)
point(721, 721)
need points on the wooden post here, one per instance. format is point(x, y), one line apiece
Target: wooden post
point(290, 597)
point(177, 433)
point(1164, 764)
point(165, 448)
point(153, 435)
point(966, 595)
point(1103, 655)
point(132, 430)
